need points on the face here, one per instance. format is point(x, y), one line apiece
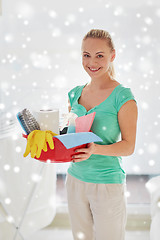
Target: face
point(96, 57)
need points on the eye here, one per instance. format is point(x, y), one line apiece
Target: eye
point(86, 55)
point(100, 56)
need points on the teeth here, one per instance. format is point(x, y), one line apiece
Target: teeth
point(93, 69)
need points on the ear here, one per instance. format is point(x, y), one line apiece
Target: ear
point(113, 55)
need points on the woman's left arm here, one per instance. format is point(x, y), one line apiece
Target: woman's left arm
point(127, 118)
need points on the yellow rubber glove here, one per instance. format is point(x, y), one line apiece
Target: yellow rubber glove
point(49, 140)
point(29, 143)
point(37, 141)
point(38, 144)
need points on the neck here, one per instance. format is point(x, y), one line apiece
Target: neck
point(102, 82)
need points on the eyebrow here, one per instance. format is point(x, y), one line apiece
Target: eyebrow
point(89, 53)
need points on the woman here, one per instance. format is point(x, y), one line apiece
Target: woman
point(96, 180)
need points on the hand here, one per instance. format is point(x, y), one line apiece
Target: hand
point(85, 153)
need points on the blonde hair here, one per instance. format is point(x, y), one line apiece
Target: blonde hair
point(102, 34)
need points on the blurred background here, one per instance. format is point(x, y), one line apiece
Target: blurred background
point(40, 61)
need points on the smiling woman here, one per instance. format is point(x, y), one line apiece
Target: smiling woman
point(96, 178)
point(40, 63)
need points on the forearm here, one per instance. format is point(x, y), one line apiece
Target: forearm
point(121, 148)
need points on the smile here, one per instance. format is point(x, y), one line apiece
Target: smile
point(93, 69)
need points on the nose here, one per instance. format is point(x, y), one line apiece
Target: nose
point(92, 62)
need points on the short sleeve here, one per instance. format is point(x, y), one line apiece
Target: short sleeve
point(124, 96)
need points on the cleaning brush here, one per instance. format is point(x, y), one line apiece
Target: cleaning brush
point(27, 121)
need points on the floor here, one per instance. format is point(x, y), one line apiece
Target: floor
point(57, 234)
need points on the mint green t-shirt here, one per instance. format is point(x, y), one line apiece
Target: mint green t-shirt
point(101, 168)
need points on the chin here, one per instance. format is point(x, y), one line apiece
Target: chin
point(97, 75)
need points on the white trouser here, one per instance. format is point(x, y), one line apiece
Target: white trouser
point(97, 211)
